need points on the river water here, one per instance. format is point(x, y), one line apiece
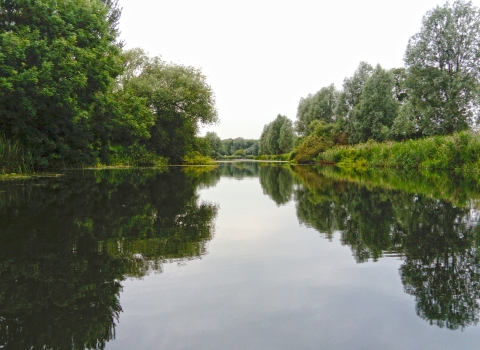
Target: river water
point(243, 256)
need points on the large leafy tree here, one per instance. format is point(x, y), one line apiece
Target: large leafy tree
point(377, 108)
point(56, 60)
point(442, 60)
point(277, 137)
point(320, 106)
point(351, 90)
point(179, 99)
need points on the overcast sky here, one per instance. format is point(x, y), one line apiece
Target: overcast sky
point(262, 56)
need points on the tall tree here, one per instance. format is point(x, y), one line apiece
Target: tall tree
point(351, 90)
point(179, 98)
point(376, 110)
point(56, 59)
point(320, 106)
point(277, 137)
point(442, 60)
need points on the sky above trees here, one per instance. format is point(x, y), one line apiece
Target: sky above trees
point(261, 57)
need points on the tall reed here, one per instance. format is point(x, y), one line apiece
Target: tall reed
point(459, 152)
point(15, 158)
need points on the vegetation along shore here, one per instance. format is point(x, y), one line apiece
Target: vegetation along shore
point(71, 96)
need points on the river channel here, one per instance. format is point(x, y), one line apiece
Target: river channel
point(239, 256)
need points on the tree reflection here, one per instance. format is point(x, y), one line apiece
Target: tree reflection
point(66, 244)
point(438, 241)
point(277, 182)
point(239, 170)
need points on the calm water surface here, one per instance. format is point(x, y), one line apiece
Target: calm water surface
point(243, 256)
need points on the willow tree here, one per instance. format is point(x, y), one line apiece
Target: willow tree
point(277, 137)
point(442, 60)
point(179, 99)
point(320, 106)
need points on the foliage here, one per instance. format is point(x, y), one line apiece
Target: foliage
point(215, 144)
point(230, 146)
point(442, 60)
point(196, 158)
point(15, 158)
point(179, 98)
point(376, 110)
point(277, 137)
point(459, 153)
point(57, 58)
point(352, 88)
point(320, 106)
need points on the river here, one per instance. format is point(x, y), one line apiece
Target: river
point(239, 256)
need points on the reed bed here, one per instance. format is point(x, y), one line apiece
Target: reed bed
point(459, 152)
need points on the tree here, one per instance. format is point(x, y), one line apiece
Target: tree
point(373, 116)
point(442, 60)
point(277, 137)
point(215, 144)
point(351, 90)
point(320, 106)
point(179, 99)
point(56, 59)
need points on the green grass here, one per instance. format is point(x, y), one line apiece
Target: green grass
point(459, 153)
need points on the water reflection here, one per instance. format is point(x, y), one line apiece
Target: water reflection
point(438, 241)
point(277, 182)
point(66, 243)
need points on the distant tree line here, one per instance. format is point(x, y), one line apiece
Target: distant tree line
point(230, 147)
point(70, 95)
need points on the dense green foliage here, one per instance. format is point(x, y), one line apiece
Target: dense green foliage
point(238, 147)
point(459, 152)
point(57, 59)
point(277, 137)
point(442, 61)
point(437, 92)
point(173, 100)
point(320, 106)
point(69, 96)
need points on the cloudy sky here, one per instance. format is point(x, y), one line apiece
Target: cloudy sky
point(262, 56)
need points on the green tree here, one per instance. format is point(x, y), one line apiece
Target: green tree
point(373, 116)
point(320, 106)
point(277, 137)
point(215, 144)
point(442, 60)
point(179, 98)
point(57, 58)
point(352, 88)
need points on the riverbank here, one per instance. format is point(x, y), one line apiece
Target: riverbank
point(458, 153)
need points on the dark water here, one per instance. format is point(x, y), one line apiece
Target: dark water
point(243, 256)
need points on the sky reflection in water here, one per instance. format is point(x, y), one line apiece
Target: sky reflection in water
point(240, 257)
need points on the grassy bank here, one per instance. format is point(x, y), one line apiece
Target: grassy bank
point(459, 153)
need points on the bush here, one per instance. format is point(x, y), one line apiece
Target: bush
point(459, 152)
point(195, 158)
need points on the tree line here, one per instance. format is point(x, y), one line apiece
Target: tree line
point(71, 95)
point(435, 93)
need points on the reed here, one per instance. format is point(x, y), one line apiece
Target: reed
point(15, 158)
point(459, 153)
